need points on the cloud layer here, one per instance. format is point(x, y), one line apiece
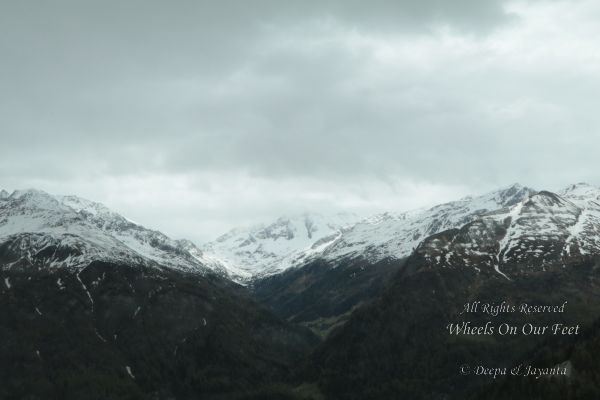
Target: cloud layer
point(193, 117)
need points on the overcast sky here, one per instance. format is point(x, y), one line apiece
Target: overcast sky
point(193, 117)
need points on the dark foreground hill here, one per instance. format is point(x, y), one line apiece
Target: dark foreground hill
point(122, 332)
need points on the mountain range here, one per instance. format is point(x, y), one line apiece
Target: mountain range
point(293, 241)
point(309, 306)
point(86, 230)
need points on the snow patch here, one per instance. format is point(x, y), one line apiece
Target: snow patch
point(99, 335)
point(85, 289)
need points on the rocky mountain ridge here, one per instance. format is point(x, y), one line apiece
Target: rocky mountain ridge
point(292, 242)
point(544, 229)
point(70, 232)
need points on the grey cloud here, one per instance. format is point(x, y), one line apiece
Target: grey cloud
point(460, 94)
point(94, 69)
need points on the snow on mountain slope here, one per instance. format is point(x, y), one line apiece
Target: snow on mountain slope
point(544, 230)
point(397, 235)
point(67, 231)
point(582, 194)
point(268, 249)
point(292, 242)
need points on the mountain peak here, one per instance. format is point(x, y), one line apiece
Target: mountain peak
point(546, 197)
point(515, 186)
point(511, 195)
point(29, 192)
point(503, 197)
point(83, 231)
point(33, 199)
point(581, 189)
point(273, 247)
point(580, 185)
point(543, 230)
point(552, 203)
point(80, 204)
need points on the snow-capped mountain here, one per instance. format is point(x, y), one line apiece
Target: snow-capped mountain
point(292, 242)
point(37, 228)
point(68, 231)
point(542, 231)
point(397, 235)
point(268, 249)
